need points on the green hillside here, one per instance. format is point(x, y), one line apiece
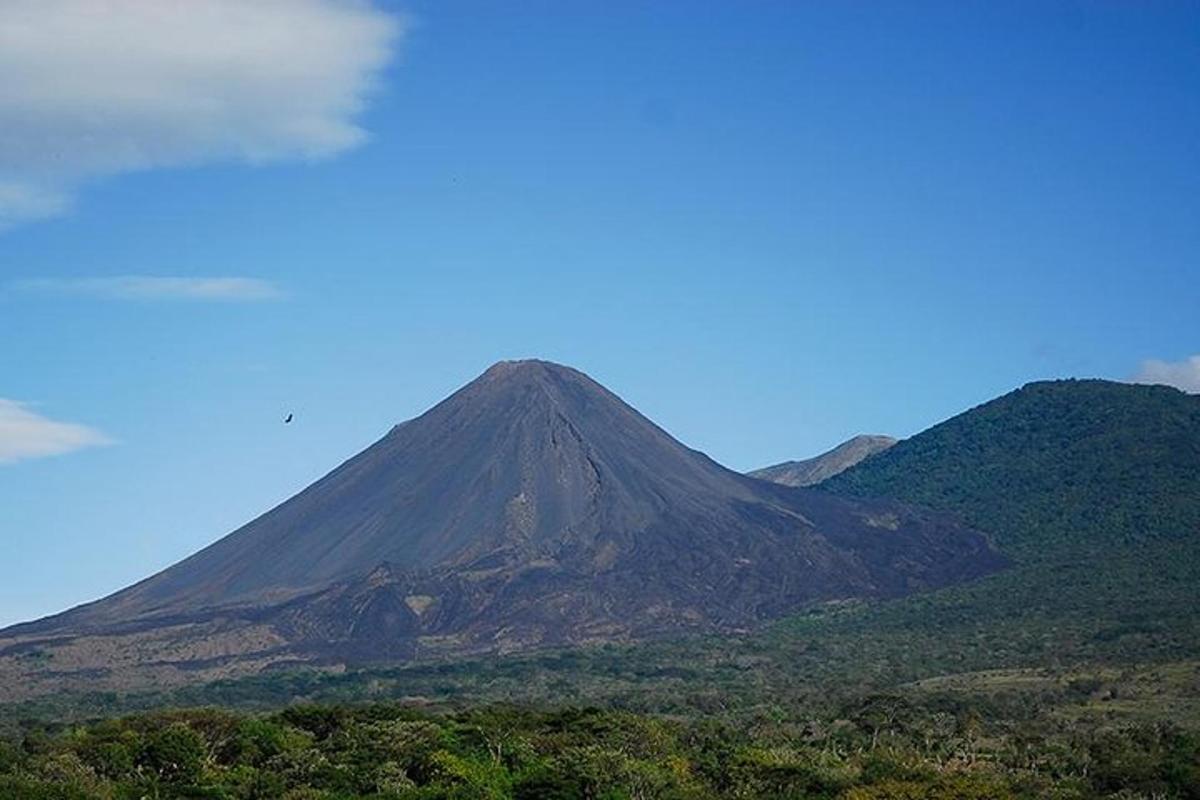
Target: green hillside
point(1074, 466)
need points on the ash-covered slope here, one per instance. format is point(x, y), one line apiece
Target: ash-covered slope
point(811, 471)
point(532, 506)
point(528, 457)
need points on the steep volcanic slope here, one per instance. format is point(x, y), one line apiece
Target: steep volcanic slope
point(811, 471)
point(533, 506)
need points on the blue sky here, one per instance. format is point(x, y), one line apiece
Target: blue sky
point(768, 226)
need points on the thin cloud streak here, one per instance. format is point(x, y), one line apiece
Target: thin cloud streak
point(154, 287)
point(25, 434)
point(1184, 375)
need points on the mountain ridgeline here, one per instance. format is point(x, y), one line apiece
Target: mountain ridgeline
point(532, 507)
point(811, 471)
point(1056, 466)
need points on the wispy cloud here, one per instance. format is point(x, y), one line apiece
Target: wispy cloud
point(154, 287)
point(25, 434)
point(98, 87)
point(1183, 374)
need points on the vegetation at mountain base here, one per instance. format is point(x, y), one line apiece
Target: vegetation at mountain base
point(883, 746)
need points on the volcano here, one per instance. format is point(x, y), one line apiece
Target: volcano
point(532, 507)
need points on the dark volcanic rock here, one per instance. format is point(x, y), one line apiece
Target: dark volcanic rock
point(531, 507)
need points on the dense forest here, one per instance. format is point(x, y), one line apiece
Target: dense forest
point(882, 747)
point(1071, 466)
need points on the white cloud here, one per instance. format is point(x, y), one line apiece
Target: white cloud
point(24, 434)
point(96, 87)
point(154, 287)
point(26, 201)
point(1183, 374)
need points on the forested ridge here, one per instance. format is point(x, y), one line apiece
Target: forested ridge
point(1070, 466)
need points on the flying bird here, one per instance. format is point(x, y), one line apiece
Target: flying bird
point(288, 420)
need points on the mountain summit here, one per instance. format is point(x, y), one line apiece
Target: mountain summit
point(531, 507)
point(811, 471)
